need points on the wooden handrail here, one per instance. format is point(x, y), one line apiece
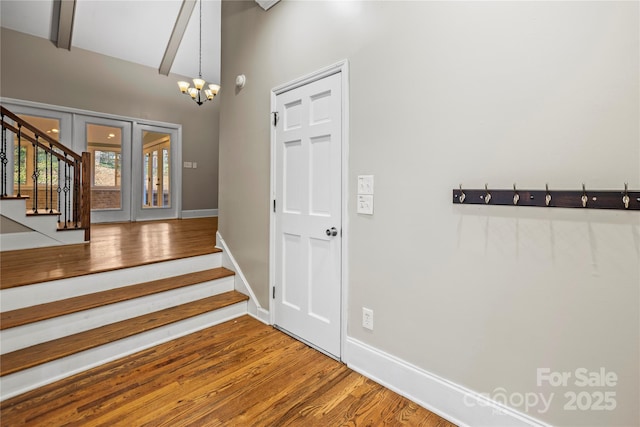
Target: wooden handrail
point(40, 134)
point(38, 143)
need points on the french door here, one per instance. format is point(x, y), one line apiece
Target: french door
point(134, 173)
point(156, 172)
point(109, 143)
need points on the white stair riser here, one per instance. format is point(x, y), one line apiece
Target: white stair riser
point(13, 208)
point(25, 240)
point(16, 209)
point(47, 330)
point(35, 239)
point(29, 379)
point(40, 293)
point(70, 237)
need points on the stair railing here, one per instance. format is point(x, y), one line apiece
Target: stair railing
point(60, 177)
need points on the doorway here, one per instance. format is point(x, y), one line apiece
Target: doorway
point(308, 229)
point(135, 174)
point(118, 146)
point(156, 172)
point(109, 143)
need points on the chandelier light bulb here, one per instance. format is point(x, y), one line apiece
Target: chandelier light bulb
point(214, 89)
point(198, 83)
point(184, 86)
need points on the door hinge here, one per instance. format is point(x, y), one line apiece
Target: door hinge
point(275, 118)
point(274, 205)
point(273, 294)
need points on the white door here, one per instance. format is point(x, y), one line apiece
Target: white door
point(156, 172)
point(109, 143)
point(308, 194)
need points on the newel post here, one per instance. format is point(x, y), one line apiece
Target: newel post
point(85, 199)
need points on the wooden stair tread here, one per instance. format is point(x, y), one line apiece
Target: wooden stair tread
point(43, 212)
point(62, 347)
point(13, 197)
point(23, 316)
point(70, 226)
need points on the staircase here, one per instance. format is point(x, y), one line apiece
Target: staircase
point(34, 230)
point(51, 329)
point(44, 188)
point(55, 329)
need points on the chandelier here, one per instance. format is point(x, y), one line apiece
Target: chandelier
point(197, 93)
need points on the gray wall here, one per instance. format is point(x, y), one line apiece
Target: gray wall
point(444, 93)
point(8, 225)
point(34, 69)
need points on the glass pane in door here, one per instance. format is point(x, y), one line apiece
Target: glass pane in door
point(33, 171)
point(155, 165)
point(105, 145)
point(165, 177)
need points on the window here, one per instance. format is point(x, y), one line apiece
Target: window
point(106, 168)
point(22, 166)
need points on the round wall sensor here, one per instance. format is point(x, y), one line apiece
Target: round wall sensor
point(240, 81)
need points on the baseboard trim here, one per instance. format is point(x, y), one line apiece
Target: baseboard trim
point(200, 213)
point(254, 308)
point(445, 398)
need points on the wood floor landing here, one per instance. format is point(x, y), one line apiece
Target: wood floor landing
point(112, 247)
point(239, 373)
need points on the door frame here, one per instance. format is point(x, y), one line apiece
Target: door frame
point(175, 154)
point(80, 123)
point(342, 68)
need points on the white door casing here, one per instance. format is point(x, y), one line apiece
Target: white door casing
point(123, 212)
point(308, 212)
point(141, 213)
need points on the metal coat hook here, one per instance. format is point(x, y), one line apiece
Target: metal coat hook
point(547, 197)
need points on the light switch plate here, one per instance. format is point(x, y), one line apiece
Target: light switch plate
point(365, 204)
point(365, 184)
point(188, 165)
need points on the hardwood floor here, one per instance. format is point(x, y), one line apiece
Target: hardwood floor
point(112, 246)
point(240, 373)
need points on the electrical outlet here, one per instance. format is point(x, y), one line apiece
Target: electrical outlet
point(367, 318)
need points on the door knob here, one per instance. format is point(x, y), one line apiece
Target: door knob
point(332, 231)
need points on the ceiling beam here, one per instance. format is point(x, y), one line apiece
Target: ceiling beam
point(65, 23)
point(176, 36)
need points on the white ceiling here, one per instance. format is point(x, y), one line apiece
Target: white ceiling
point(133, 30)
